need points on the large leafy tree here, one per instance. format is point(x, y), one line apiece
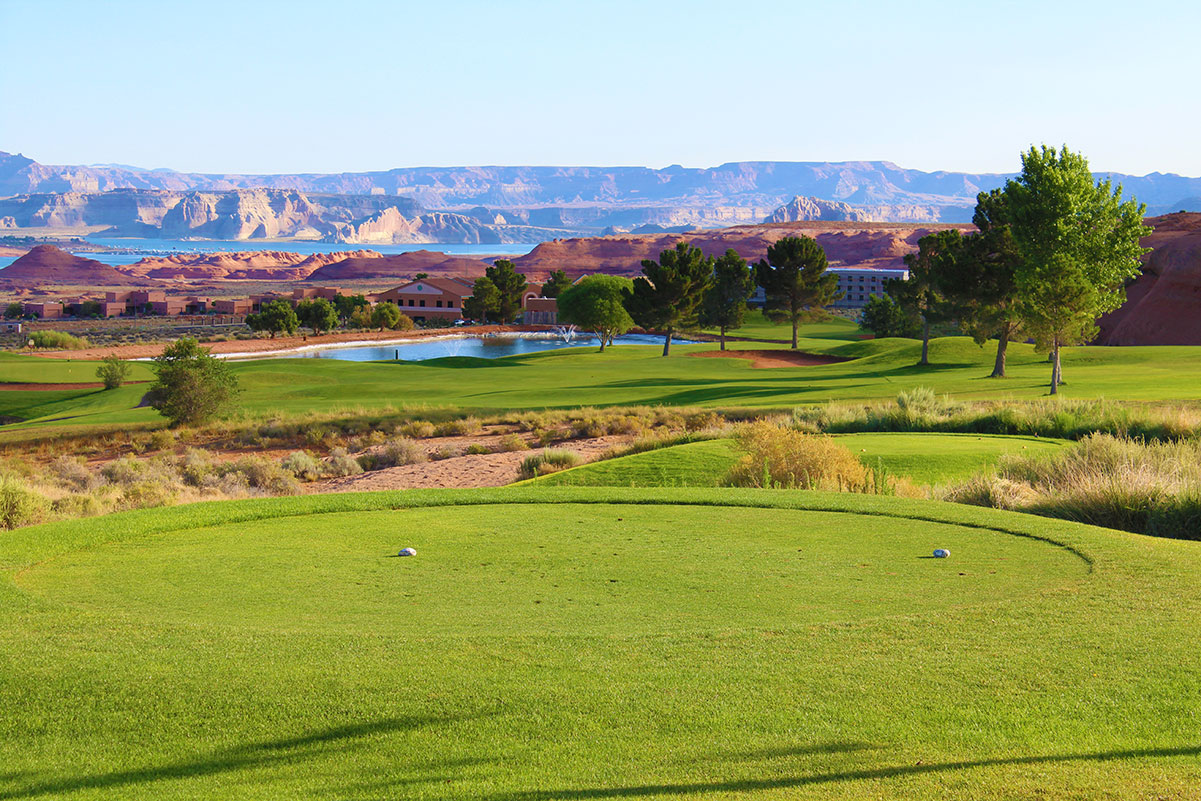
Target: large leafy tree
point(598, 303)
point(1077, 246)
point(510, 286)
point(276, 317)
point(795, 281)
point(555, 285)
point(884, 317)
point(669, 292)
point(318, 314)
point(191, 385)
point(724, 306)
point(484, 304)
point(384, 315)
point(981, 281)
point(922, 294)
point(347, 305)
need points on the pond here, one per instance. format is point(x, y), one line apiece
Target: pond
point(478, 347)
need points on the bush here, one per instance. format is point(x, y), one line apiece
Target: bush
point(463, 427)
point(303, 465)
point(341, 463)
point(546, 462)
point(112, 371)
point(264, 474)
point(191, 385)
point(57, 340)
point(477, 449)
point(782, 458)
point(513, 442)
point(19, 505)
point(399, 451)
point(417, 429)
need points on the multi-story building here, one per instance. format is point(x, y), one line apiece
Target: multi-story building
point(429, 298)
point(859, 284)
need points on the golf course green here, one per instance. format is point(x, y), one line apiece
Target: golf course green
point(551, 643)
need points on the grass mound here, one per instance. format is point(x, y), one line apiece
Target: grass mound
point(595, 643)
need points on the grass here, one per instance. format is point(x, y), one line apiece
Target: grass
point(596, 643)
point(923, 458)
point(625, 375)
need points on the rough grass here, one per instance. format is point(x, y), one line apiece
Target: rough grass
point(596, 644)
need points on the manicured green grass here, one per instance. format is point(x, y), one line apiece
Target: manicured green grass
point(922, 458)
point(596, 643)
point(757, 326)
point(630, 374)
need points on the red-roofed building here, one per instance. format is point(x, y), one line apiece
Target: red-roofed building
point(428, 298)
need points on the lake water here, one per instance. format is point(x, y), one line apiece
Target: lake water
point(478, 347)
point(134, 250)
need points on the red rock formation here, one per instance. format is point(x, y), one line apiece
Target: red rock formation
point(1163, 305)
point(46, 264)
point(401, 265)
point(259, 265)
point(845, 243)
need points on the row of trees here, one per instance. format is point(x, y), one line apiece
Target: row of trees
point(321, 315)
point(685, 288)
point(1053, 251)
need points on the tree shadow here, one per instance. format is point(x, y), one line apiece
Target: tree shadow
point(253, 755)
point(745, 785)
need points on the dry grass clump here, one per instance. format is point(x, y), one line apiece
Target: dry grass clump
point(511, 442)
point(397, 451)
point(782, 458)
point(1129, 484)
point(546, 462)
point(463, 427)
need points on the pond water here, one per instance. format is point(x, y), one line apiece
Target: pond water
point(478, 347)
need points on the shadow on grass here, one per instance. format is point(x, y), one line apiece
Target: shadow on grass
point(284, 751)
point(746, 785)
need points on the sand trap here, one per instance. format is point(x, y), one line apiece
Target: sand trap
point(774, 358)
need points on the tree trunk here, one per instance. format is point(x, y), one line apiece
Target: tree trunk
point(601, 335)
point(794, 328)
point(925, 342)
point(667, 342)
point(723, 337)
point(1056, 370)
point(998, 368)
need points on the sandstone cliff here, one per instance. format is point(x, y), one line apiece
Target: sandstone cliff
point(1163, 305)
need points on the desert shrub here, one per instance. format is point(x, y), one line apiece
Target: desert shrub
point(72, 473)
point(112, 372)
point(513, 442)
point(124, 470)
point(788, 459)
point(196, 468)
point(83, 504)
point(548, 461)
point(341, 463)
point(146, 493)
point(477, 449)
point(20, 505)
point(161, 440)
point(303, 465)
point(263, 474)
point(57, 340)
point(1116, 482)
point(417, 429)
point(462, 427)
point(444, 452)
point(398, 451)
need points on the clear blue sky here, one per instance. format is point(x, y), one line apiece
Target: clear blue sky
point(350, 85)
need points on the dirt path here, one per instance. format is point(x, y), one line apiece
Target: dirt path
point(774, 358)
point(481, 470)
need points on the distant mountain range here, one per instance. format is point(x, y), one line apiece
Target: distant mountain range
point(506, 204)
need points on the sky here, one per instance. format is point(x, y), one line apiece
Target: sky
point(355, 85)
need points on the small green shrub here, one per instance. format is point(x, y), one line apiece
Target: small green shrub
point(513, 442)
point(546, 462)
point(57, 340)
point(303, 465)
point(399, 451)
point(340, 463)
point(112, 372)
point(477, 449)
point(19, 505)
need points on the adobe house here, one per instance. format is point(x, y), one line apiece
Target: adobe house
point(231, 306)
point(137, 300)
point(541, 311)
point(44, 311)
point(197, 305)
point(429, 298)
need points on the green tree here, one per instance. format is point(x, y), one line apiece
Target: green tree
point(112, 371)
point(922, 293)
point(724, 306)
point(385, 315)
point(981, 281)
point(276, 317)
point(795, 281)
point(484, 304)
point(669, 292)
point(1078, 245)
point(555, 285)
point(191, 385)
point(598, 303)
point(14, 310)
point(347, 305)
point(884, 317)
point(318, 314)
point(510, 286)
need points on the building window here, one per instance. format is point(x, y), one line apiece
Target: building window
point(410, 301)
point(450, 304)
point(438, 303)
point(423, 303)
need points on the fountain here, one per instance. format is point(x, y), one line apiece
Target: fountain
point(566, 332)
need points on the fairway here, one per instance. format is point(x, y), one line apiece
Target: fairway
point(554, 643)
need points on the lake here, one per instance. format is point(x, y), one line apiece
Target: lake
point(478, 347)
point(134, 250)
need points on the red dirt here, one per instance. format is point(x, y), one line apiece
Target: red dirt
point(766, 359)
